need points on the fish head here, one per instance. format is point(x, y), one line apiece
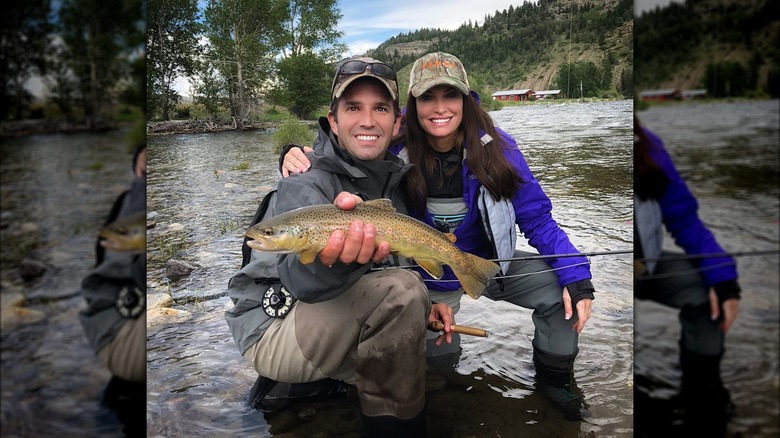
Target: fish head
point(278, 238)
point(126, 234)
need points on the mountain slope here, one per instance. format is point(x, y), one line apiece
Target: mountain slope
point(526, 46)
point(727, 46)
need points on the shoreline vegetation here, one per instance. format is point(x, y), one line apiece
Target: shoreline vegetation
point(25, 127)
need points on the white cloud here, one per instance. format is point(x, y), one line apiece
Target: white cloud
point(367, 26)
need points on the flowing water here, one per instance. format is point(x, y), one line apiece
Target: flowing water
point(56, 193)
point(728, 155)
point(203, 192)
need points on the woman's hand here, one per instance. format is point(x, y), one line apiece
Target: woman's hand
point(295, 161)
point(443, 313)
point(583, 310)
point(730, 310)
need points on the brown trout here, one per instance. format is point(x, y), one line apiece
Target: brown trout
point(306, 230)
point(125, 235)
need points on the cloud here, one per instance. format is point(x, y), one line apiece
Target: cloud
point(367, 26)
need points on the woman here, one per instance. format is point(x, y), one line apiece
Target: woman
point(704, 289)
point(472, 180)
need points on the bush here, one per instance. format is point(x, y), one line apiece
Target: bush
point(292, 131)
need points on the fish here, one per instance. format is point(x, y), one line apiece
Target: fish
point(127, 234)
point(306, 230)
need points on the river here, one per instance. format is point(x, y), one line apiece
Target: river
point(203, 192)
point(57, 190)
point(728, 154)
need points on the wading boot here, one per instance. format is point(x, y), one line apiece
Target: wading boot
point(128, 400)
point(387, 426)
point(706, 402)
point(555, 380)
point(268, 395)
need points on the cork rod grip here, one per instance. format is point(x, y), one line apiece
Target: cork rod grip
point(462, 329)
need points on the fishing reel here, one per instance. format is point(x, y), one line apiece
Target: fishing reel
point(277, 301)
point(130, 302)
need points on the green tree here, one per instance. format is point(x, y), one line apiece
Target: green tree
point(171, 48)
point(211, 90)
point(310, 45)
point(304, 84)
point(581, 79)
point(24, 43)
point(313, 27)
point(100, 38)
point(243, 39)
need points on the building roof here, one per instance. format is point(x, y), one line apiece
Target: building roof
point(545, 92)
point(697, 92)
point(511, 92)
point(663, 92)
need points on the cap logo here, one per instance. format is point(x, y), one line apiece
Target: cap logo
point(439, 63)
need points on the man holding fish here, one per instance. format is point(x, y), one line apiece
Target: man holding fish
point(114, 320)
point(316, 316)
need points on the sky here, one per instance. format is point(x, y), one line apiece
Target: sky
point(648, 5)
point(366, 27)
point(366, 24)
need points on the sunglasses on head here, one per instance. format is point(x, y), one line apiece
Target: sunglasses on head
point(357, 66)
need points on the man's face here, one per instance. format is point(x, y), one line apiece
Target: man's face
point(365, 121)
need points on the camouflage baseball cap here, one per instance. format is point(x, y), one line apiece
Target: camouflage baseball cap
point(437, 68)
point(352, 69)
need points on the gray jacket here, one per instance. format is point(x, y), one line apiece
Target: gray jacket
point(117, 273)
point(332, 172)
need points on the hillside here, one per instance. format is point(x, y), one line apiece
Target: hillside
point(530, 45)
point(728, 47)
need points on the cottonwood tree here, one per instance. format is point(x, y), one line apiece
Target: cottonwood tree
point(24, 42)
point(311, 46)
point(172, 32)
point(100, 40)
point(244, 37)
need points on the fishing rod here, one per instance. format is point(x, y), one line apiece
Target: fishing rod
point(533, 257)
point(709, 255)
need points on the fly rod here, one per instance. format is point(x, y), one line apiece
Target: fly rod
point(710, 255)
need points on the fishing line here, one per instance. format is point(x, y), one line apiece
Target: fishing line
point(710, 255)
point(684, 272)
point(500, 277)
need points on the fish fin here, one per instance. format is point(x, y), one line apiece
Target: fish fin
point(474, 280)
point(432, 267)
point(379, 204)
point(307, 256)
point(451, 237)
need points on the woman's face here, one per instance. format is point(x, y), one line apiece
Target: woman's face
point(440, 113)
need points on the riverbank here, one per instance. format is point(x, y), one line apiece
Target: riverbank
point(20, 128)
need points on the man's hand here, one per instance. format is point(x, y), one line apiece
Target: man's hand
point(359, 244)
point(442, 312)
point(583, 310)
point(295, 161)
point(730, 310)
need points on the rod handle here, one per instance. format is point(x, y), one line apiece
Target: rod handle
point(462, 329)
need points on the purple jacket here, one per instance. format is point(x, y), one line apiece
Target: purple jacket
point(532, 214)
point(679, 211)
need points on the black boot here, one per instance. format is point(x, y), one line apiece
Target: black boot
point(555, 380)
point(268, 395)
point(706, 402)
point(128, 400)
point(387, 426)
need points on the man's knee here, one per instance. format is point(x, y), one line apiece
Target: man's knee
point(405, 287)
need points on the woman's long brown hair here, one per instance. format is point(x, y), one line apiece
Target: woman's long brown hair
point(649, 179)
point(487, 162)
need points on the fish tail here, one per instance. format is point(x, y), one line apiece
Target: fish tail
point(474, 280)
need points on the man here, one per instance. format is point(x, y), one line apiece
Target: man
point(114, 320)
point(347, 324)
